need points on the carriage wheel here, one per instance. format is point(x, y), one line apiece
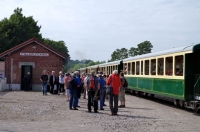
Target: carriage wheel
point(176, 102)
point(181, 103)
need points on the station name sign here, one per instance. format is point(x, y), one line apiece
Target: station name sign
point(34, 54)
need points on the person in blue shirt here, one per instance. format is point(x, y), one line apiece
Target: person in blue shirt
point(73, 93)
point(78, 88)
point(101, 86)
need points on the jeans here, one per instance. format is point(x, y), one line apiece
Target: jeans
point(44, 87)
point(73, 98)
point(101, 98)
point(113, 97)
point(91, 100)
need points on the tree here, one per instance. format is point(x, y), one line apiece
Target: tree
point(119, 54)
point(133, 52)
point(17, 29)
point(144, 47)
point(60, 47)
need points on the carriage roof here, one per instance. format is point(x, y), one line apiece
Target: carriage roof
point(110, 63)
point(170, 51)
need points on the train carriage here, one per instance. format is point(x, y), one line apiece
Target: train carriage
point(81, 70)
point(94, 68)
point(172, 73)
point(107, 68)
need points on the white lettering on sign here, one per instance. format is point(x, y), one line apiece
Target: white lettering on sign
point(34, 54)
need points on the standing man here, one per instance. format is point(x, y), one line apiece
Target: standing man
point(52, 81)
point(48, 84)
point(44, 80)
point(122, 91)
point(78, 79)
point(115, 81)
point(101, 86)
point(27, 80)
point(92, 86)
point(73, 93)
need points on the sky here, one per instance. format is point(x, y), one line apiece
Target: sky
point(93, 29)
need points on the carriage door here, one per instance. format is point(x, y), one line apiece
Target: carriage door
point(192, 76)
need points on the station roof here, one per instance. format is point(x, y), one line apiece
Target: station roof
point(29, 42)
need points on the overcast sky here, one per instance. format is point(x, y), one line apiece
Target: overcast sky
point(93, 29)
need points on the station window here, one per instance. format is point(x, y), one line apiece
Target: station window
point(129, 68)
point(137, 68)
point(146, 67)
point(141, 67)
point(133, 68)
point(178, 65)
point(160, 66)
point(153, 67)
point(168, 66)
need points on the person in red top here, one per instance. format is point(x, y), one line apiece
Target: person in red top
point(115, 81)
point(67, 78)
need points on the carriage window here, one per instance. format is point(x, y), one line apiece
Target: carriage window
point(137, 68)
point(178, 65)
point(133, 68)
point(125, 68)
point(168, 66)
point(113, 68)
point(129, 68)
point(160, 66)
point(141, 67)
point(146, 67)
point(153, 67)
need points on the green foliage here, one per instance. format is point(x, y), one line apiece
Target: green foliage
point(144, 47)
point(59, 46)
point(133, 51)
point(17, 29)
point(74, 65)
point(119, 54)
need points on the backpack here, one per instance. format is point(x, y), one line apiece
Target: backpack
point(70, 83)
point(125, 85)
point(92, 83)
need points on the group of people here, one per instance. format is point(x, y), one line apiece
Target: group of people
point(92, 86)
point(52, 83)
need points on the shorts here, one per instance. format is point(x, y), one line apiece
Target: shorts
point(67, 92)
point(122, 95)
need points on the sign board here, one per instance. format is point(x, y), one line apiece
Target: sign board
point(33, 54)
point(2, 74)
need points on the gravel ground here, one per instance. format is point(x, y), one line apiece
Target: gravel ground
point(30, 111)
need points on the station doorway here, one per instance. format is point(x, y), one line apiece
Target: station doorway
point(24, 70)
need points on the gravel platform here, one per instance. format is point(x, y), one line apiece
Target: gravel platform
point(32, 112)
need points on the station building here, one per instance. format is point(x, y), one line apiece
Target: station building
point(31, 56)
